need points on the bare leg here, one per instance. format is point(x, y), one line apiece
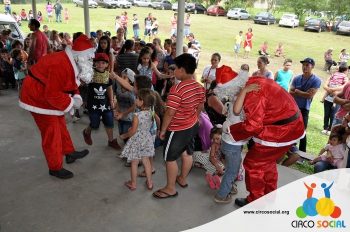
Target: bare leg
point(185, 168)
point(133, 172)
point(109, 132)
point(148, 171)
point(171, 171)
point(292, 158)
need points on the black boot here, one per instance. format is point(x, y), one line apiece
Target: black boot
point(62, 173)
point(241, 202)
point(70, 158)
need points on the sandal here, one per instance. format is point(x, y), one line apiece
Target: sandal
point(160, 194)
point(210, 181)
point(181, 185)
point(149, 186)
point(129, 185)
point(143, 173)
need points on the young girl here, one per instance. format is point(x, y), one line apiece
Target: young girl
point(279, 50)
point(334, 152)
point(40, 16)
point(66, 15)
point(30, 15)
point(262, 71)
point(104, 46)
point(145, 65)
point(140, 145)
point(211, 161)
point(263, 49)
point(49, 10)
point(284, 76)
point(136, 26)
point(248, 44)
point(19, 67)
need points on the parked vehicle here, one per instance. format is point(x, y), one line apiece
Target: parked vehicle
point(216, 10)
point(92, 4)
point(143, 3)
point(195, 8)
point(289, 20)
point(265, 18)
point(162, 5)
point(107, 3)
point(8, 22)
point(315, 25)
point(344, 28)
point(238, 13)
point(123, 4)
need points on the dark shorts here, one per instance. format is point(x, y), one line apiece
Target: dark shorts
point(176, 142)
point(107, 119)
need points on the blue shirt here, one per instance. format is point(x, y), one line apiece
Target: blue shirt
point(283, 78)
point(304, 84)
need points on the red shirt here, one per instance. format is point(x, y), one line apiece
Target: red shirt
point(184, 98)
point(40, 45)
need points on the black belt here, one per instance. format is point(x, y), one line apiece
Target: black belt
point(287, 120)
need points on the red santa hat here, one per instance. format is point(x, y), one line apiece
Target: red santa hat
point(225, 74)
point(82, 45)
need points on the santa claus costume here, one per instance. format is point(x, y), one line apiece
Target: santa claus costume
point(274, 122)
point(49, 91)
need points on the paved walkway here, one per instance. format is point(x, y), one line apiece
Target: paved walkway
point(95, 199)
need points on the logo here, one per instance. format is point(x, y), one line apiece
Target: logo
point(324, 206)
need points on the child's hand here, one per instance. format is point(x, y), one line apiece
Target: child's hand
point(251, 88)
point(123, 136)
point(119, 115)
point(220, 171)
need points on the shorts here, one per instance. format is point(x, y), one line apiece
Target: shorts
point(147, 32)
point(176, 142)
point(247, 49)
point(236, 48)
point(95, 118)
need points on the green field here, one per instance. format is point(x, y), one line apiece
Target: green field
point(216, 34)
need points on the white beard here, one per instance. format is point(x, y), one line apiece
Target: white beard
point(86, 71)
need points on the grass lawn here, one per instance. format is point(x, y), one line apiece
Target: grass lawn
point(216, 34)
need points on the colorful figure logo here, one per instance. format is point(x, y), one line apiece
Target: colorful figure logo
point(323, 206)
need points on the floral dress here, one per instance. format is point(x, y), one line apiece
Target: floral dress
point(141, 144)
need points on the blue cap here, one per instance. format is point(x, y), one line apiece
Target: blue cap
point(93, 34)
point(309, 61)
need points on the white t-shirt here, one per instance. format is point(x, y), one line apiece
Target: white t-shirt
point(209, 73)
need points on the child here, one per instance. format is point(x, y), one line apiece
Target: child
point(238, 43)
point(334, 152)
point(279, 50)
point(145, 65)
point(40, 16)
point(155, 26)
point(136, 26)
point(125, 103)
point(263, 49)
point(169, 82)
point(248, 43)
point(211, 160)
point(180, 124)
point(104, 46)
point(140, 145)
point(100, 101)
point(167, 47)
point(6, 69)
point(19, 67)
point(66, 15)
point(283, 77)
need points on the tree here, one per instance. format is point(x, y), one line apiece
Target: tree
point(300, 7)
point(338, 8)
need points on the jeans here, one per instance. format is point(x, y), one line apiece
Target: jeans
point(329, 112)
point(58, 17)
point(303, 142)
point(123, 126)
point(321, 166)
point(95, 118)
point(233, 159)
point(136, 33)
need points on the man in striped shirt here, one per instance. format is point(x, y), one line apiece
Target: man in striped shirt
point(180, 124)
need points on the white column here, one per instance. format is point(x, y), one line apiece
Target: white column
point(86, 17)
point(34, 8)
point(180, 27)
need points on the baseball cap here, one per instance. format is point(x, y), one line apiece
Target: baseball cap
point(308, 60)
point(93, 34)
point(101, 57)
point(130, 74)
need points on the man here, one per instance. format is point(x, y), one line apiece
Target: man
point(46, 31)
point(273, 121)
point(51, 90)
point(58, 9)
point(303, 89)
point(193, 44)
point(39, 45)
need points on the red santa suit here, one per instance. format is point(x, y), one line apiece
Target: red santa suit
point(50, 90)
point(273, 121)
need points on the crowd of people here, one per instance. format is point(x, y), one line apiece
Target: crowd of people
point(155, 99)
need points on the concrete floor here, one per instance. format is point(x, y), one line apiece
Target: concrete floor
point(95, 199)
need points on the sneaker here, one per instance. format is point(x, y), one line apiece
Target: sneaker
point(324, 132)
point(223, 200)
point(210, 181)
point(87, 137)
point(234, 189)
point(114, 144)
point(328, 132)
point(62, 173)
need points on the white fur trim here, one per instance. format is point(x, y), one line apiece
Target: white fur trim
point(40, 110)
point(70, 105)
point(69, 53)
point(78, 96)
point(242, 75)
point(276, 144)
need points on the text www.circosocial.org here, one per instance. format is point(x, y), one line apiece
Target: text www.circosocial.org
point(284, 212)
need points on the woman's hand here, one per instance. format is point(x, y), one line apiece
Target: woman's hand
point(251, 88)
point(162, 135)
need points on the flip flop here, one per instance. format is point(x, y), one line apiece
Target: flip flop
point(210, 181)
point(143, 174)
point(181, 185)
point(166, 195)
point(217, 181)
point(128, 184)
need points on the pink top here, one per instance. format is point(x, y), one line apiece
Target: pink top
point(338, 151)
point(337, 79)
point(263, 48)
point(49, 8)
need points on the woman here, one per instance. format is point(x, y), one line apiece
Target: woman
point(262, 71)
point(248, 43)
point(328, 58)
point(127, 58)
point(49, 10)
point(343, 57)
point(209, 72)
point(55, 42)
point(213, 106)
